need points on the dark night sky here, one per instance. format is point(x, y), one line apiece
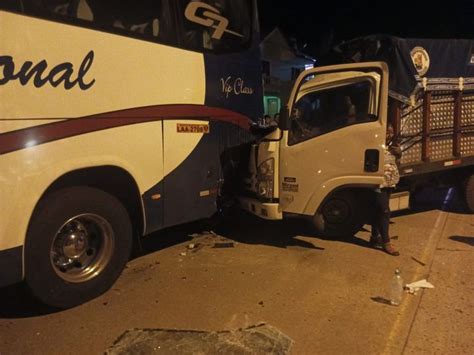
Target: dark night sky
point(322, 24)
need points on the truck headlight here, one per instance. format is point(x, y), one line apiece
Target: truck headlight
point(265, 178)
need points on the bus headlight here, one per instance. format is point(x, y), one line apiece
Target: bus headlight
point(265, 178)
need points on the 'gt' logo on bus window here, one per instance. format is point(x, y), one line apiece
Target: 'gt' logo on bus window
point(211, 18)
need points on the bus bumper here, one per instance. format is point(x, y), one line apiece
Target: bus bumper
point(11, 266)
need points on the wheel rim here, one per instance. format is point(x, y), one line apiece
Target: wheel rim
point(82, 248)
point(336, 211)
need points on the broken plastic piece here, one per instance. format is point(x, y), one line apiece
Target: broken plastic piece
point(415, 286)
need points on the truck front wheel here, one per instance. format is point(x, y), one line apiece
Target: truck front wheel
point(78, 242)
point(342, 215)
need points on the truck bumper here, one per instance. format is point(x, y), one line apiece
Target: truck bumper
point(11, 266)
point(269, 211)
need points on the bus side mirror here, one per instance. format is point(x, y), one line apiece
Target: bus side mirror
point(284, 121)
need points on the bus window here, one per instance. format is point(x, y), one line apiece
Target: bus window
point(142, 19)
point(137, 18)
point(214, 25)
point(51, 8)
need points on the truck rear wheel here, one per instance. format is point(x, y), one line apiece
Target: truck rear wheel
point(469, 193)
point(342, 215)
point(78, 243)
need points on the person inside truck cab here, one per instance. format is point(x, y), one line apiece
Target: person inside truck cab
point(322, 112)
point(343, 113)
point(302, 121)
point(350, 109)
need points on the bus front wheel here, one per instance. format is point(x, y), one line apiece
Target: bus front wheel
point(78, 242)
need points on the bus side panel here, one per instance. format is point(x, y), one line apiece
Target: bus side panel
point(193, 175)
point(124, 75)
point(190, 189)
point(116, 72)
point(25, 174)
point(235, 83)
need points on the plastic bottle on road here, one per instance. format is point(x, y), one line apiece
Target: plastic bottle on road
point(396, 289)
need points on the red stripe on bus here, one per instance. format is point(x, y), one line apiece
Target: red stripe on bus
point(32, 136)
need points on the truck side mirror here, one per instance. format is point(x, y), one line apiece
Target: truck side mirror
point(284, 121)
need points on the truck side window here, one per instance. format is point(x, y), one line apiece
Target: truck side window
point(324, 111)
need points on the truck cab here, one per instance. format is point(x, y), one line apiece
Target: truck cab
point(326, 156)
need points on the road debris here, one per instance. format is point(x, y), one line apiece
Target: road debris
point(418, 261)
point(380, 299)
point(259, 339)
point(207, 239)
point(223, 245)
point(415, 286)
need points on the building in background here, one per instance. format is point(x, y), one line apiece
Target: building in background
point(281, 64)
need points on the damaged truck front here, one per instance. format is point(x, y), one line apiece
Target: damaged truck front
point(326, 157)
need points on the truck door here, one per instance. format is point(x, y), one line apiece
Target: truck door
point(336, 134)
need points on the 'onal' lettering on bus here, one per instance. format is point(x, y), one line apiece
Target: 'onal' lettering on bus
point(235, 86)
point(40, 74)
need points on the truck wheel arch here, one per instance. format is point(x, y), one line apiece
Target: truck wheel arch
point(350, 206)
point(314, 204)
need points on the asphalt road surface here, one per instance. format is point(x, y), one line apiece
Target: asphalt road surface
point(327, 296)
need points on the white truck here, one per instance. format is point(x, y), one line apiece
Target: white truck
point(326, 157)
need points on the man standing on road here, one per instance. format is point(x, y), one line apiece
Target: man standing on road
point(380, 237)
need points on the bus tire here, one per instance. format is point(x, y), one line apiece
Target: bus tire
point(342, 215)
point(78, 242)
point(469, 193)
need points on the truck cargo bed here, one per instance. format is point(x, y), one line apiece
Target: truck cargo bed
point(437, 133)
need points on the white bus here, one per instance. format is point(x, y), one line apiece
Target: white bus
point(114, 120)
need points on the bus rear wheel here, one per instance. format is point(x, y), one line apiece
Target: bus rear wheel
point(342, 215)
point(78, 243)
